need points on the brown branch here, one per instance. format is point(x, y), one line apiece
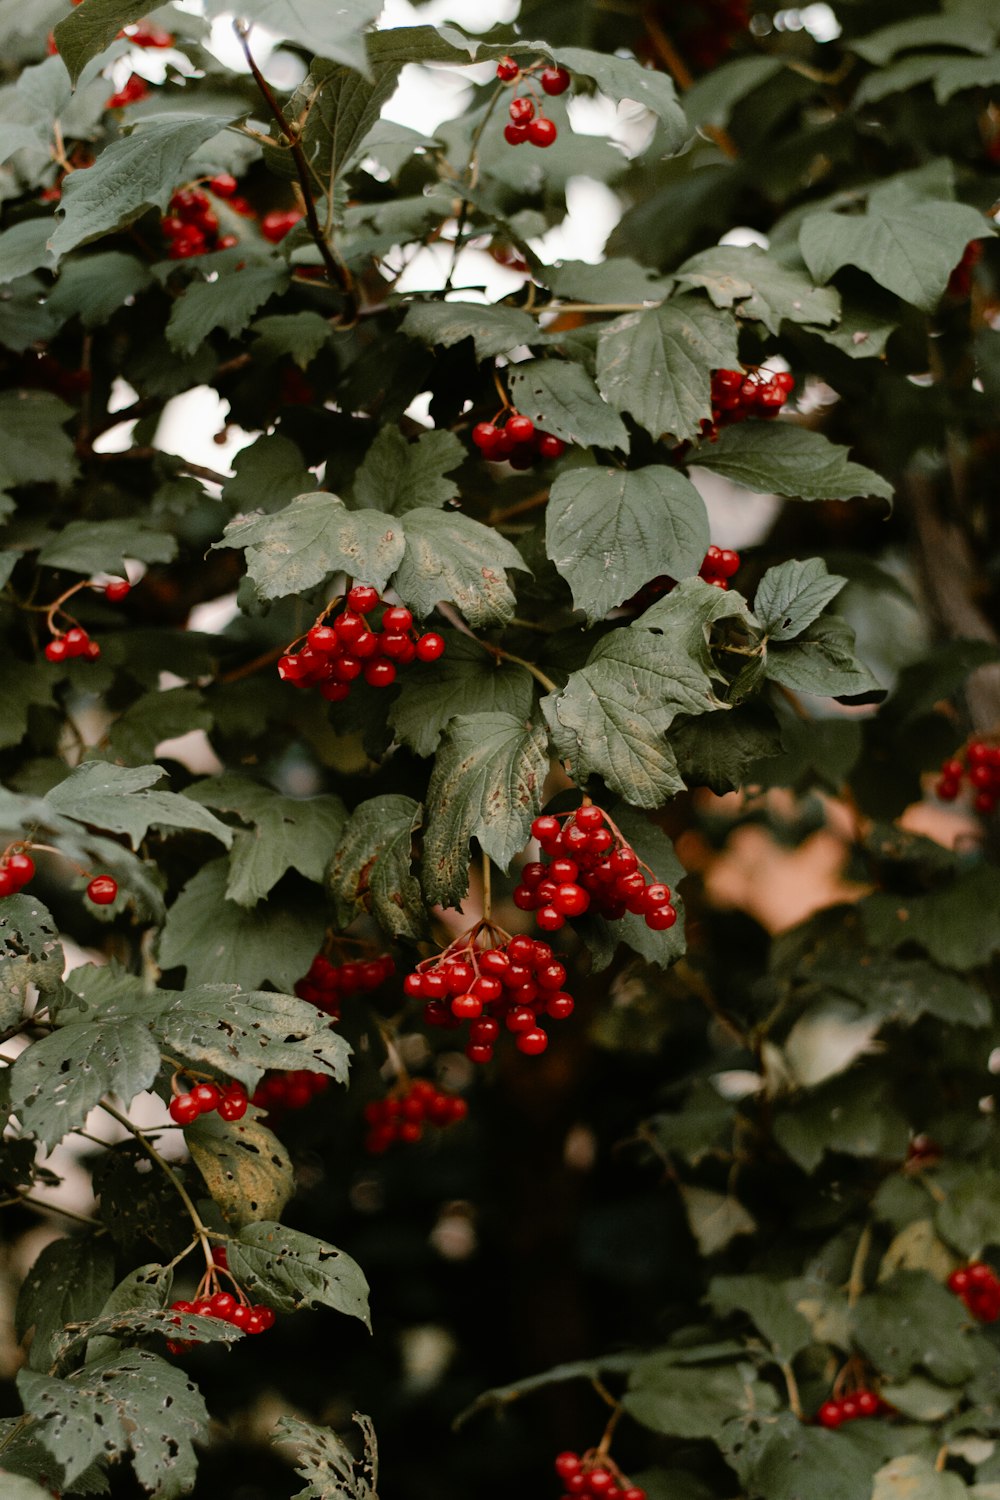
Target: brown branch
point(683, 77)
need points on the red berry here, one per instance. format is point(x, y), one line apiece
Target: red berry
point(223, 184)
point(520, 429)
point(830, 1414)
point(222, 1304)
point(549, 446)
point(379, 673)
point(507, 70)
point(550, 919)
point(21, 866)
point(56, 650)
point(567, 1464)
point(240, 1316)
point(430, 647)
point(207, 1096)
point(275, 225)
point(542, 131)
point(102, 890)
point(554, 80)
point(522, 110)
point(531, 1043)
point(515, 135)
point(117, 590)
point(184, 1110)
point(545, 828)
point(571, 901)
point(868, 1403)
point(484, 436)
point(662, 919)
point(233, 1105)
point(398, 618)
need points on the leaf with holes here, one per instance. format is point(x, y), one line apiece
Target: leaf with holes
point(247, 1170)
point(371, 867)
point(327, 1464)
point(58, 1080)
point(487, 785)
point(30, 954)
point(610, 531)
point(131, 1403)
point(293, 1270)
point(71, 1280)
point(298, 547)
point(793, 595)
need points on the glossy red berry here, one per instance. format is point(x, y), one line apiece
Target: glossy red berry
point(522, 110)
point(102, 890)
point(430, 647)
point(379, 673)
point(117, 590)
point(223, 184)
point(21, 867)
point(397, 618)
point(542, 131)
point(515, 135)
point(520, 429)
point(554, 80)
point(507, 70)
point(184, 1110)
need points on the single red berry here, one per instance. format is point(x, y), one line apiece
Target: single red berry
point(102, 890)
point(868, 1403)
point(117, 590)
point(520, 429)
point(76, 641)
point(545, 828)
point(233, 1105)
point(430, 647)
point(571, 900)
point(222, 1304)
point(484, 436)
point(662, 919)
point(522, 110)
point(542, 131)
point(56, 650)
point(21, 866)
point(275, 225)
point(362, 598)
point(830, 1414)
point(380, 674)
point(207, 1096)
point(184, 1110)
point(554, 80)
point(223, 184)
point(398, 618)
point(240, 1316)
point(549, 446)
point(507, 70)
point(515, 135)
point(567, 1464)
point(531, 1043)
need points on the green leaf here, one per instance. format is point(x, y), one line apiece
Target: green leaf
point(24, 247)
point(299, 336)
point(269, 473)
point(969, 30)
point(101, 546)
point(687, 1402)
point(220, 942)
point(769, 1304)
point(293, 1270)
point(247, 1170)
point(760, 286)
point(957, 925)
point(560, 398)
point(371, 867)
point(821, 661)
point(143, 1290)
point(289, 833)
point(609, 531)
point(954, 74)
point(132, 174)
point(70, 1281)
point(451, 557)
point(657, 365)
point(34, 446)
point(911, 1321)
point(334, 32)
point(968, 1216)
point(466, 680)
point(713, 98)
point(910, 248)
point(118, 799)
point(299, 547)
point(838, 1116)
point(58, 1080)
point(110, 1331)
point(329, 1466)
point(493, 329)
point(132, 1403)
point(794, 594)
point(30, 954)
point(783, 1458)
point(228, 303)
point(612, 715)
point(723, 752)
point(398, 476)
point(85, 33)
point(624, 78)
point(776, 458)
point(486, 784)
point(913, 1478)
point(715, 1219)
point(155, 717)
point(341, 108)
point(95, 286)
point(688, 613)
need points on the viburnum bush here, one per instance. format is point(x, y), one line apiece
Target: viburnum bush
point(515, 824)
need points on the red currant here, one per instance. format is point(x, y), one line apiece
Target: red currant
point(102, 890)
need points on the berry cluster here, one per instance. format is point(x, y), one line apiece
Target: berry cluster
point(404, 1113)
point(231, 1102)
point(979, 1289)
point(279, 222)
point(67, 644)
point(719, 565)
point(17, 868)
point(228, 1308)
point(75, 642)
point(980, 768)
point(281, 1091)
point(327, 985)
point(487, 977)
point(589, 864)
point(594, 1478)
point(350, 646)
point(527, 123)
point(518, 442)
point(192, 225)
point(848, 1408)
point(739, 394)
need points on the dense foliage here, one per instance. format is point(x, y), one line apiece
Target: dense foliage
point(341, 933)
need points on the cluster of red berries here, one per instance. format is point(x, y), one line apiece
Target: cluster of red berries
point(960, 280)
point(518, 442)
point(279, 222)
point(592, 1478)
point(980, 768)
point(719, 565)
point(71, 643)
point(403, 1114)
point(739, 394)
point(526, 122)
point(589, 865)
point(17, 868)
point(350, 646)
point(281, 1091)
point(487, 977)
point(192, 225)
point(231, 1103)
point(327, 985)
point(979, 1289)
point(229, 1309)
point(848, 1408)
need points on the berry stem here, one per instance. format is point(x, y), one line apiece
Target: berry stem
point(487, 887)
point(856, 1281)
point(473, 176)
point(792, 1387)
point(200, 1229)
point(604, 1446)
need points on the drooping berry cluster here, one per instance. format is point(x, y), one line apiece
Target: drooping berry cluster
point(719, 566)
point(848, 1408)
point(76, 642)
point(979, 1289)
point(402, 1115)
point(350, 645)
point(231, 1102)
point(488, 978)
point(518, 442)
point(591, 1477)
point(739, 394)
point(67, 644)
point(979, 765)
point(251, 1318)
point(192, 226)
point(589, 866)
point(527, 123)
point(281, 1091)
point(327, 984)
